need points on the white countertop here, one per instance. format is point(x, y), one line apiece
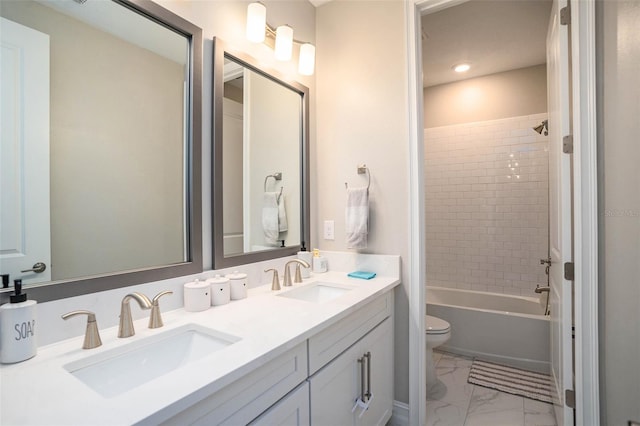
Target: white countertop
point(40, 390)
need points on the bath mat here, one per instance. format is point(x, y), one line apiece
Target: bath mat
point(516, 381)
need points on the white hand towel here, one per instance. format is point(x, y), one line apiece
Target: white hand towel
point(357, 217)
point(282, 214)
point(270, 217)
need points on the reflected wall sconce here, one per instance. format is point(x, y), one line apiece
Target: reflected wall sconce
point(280, 39)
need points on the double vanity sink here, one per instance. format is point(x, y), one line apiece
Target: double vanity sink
point(119, 370)
point(159, 373)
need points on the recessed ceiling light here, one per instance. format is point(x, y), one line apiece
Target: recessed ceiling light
point(461, 67)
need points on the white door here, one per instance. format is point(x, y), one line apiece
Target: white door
point(560, 223)
point(24, 152)
point(232, 179)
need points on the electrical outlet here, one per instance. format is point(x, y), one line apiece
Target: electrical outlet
point(329, 226)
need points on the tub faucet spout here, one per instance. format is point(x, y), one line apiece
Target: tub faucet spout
point(542, 289)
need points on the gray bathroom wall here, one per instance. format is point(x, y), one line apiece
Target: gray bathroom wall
point(619, 220)
point(491, 97)
point(362, 114)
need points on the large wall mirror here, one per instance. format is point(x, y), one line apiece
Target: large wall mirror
point(260, 161)
point(101, 145)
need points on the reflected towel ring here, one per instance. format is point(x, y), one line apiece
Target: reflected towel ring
point(277, 176)
point(362, 169)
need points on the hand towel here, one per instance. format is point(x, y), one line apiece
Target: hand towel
point(282, 214)
point(357, 217)
point(270, 211)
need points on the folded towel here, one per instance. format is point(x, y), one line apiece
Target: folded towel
point(270, 217)
point(357, 217)
point(282, 214)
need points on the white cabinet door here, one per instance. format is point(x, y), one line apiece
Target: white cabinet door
point(335, 389)
point(292, 410)
point(379, 343)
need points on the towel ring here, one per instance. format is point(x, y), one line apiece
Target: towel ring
point(277, 176)
point(362, 169)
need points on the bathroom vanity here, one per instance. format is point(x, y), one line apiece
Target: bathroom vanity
point(320, 352)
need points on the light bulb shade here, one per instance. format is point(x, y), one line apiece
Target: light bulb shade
point(256, 22)
point(307, 60)
point(284, 42)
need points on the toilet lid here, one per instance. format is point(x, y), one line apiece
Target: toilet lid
point(436, 325)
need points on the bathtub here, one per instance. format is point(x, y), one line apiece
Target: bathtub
point(511, 330)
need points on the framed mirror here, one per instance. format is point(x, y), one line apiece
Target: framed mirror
point(260, 161)
point(101, 163)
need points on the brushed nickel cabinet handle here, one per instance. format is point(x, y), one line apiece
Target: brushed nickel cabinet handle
point(367, 356)
point(362, 374)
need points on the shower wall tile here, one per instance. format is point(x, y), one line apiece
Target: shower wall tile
point(486, 205)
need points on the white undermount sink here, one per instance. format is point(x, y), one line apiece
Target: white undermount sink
point(119, 370)
point(317, 292)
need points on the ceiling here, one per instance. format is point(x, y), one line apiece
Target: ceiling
point(492, 35)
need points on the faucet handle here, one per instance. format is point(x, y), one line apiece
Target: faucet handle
point(298, 277)
point(275, 282)
point(91, 335)
point(155, 319)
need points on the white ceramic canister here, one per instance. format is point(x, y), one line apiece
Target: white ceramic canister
point(238, 283)
point(197, 296)
point(220, 290)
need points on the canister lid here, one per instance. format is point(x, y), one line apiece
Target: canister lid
point(197, 284)
point(237, 275)
point(218, 279)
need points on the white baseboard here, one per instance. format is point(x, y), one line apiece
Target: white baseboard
point(399, 415)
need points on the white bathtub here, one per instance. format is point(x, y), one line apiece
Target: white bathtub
point(495, 327)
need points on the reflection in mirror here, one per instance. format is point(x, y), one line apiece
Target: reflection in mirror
point(260, 162)
point(100, 181)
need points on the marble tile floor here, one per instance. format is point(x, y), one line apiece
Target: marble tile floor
point(458, 403)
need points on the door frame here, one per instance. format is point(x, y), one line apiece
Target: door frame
point(583, 48)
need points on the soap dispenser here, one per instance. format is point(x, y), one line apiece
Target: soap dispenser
point(305, 255)
point(18, 327)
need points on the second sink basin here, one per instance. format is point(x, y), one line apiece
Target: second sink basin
point(119, 370)
point(317, 292)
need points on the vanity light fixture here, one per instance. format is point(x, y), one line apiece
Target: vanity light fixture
point(284, 43)
point(464, 67)
point(259, 31)
point(256, 21)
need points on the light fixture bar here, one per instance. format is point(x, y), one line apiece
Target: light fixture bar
point(280, 39)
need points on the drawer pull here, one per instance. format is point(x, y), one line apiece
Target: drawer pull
point(367, 394)
point(362, 374)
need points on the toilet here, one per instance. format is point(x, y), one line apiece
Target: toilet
point(438, 332)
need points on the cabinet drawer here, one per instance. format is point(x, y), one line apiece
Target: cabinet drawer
point(292, 410)
point(332, 341)
point(245, 399)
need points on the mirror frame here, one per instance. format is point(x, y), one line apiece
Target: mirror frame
point(54, 290)
point(220, 50)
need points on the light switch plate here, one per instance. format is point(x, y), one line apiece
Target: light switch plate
point(329, 227)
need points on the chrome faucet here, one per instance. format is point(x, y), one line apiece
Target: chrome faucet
point(287, 272)
point(547, 290)
point(155, 319)
point(91, 335)
point(126, 323)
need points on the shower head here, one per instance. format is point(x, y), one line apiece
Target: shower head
point(542, 126)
